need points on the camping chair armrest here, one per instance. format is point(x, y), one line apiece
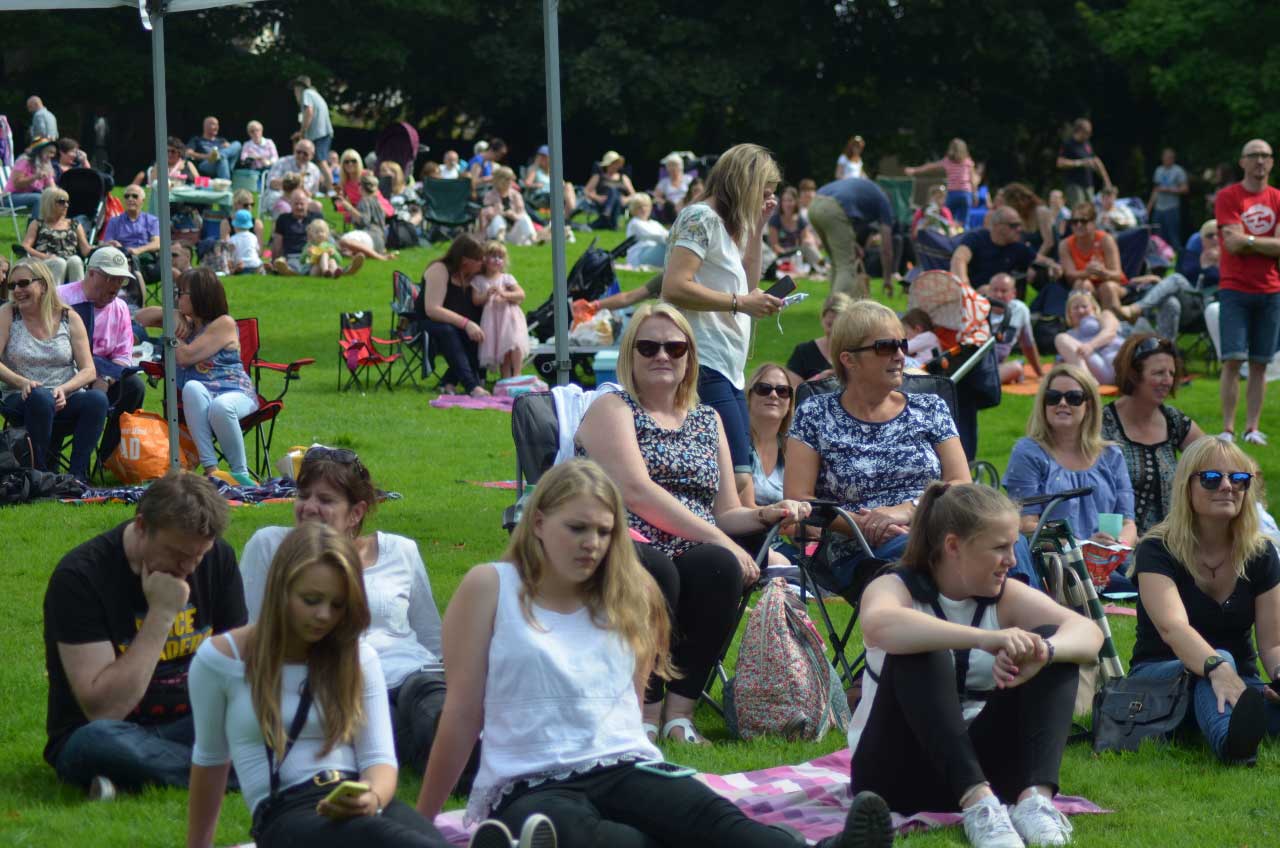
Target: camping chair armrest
point(1050, 503)
point(153, 369)
point(290, 370)
point(825, 514)
point(384, 342)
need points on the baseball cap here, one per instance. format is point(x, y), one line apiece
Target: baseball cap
point(242, 220)
point(110, 261)
point(544, 150)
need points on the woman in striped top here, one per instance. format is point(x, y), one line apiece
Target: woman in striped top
point(962, 179)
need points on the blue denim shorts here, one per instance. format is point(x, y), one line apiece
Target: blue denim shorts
point(1250, 325)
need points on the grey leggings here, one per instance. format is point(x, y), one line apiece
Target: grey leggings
point(1160, 304)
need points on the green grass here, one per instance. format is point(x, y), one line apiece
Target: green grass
point(1161, 797)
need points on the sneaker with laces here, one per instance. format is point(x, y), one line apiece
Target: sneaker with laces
point(538, 832)
point(1255, 437)
point(491, 833)
point(1038, 822)
point(102, 789)
point(987, 825)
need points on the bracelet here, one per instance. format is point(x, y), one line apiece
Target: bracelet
point(734, 307)
point(1049, 645)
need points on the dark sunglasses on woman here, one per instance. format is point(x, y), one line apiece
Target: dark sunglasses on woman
point(1212, 480)
point(21, 283)
point(883, 347)
point(766, 389)
point(1053, 397)
point(649, 348)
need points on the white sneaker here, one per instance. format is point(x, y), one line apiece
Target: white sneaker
point(1227, 436)
point(1255, 437)
point(537, 832)
point(102, 789)
point(987, 825)
point(1039, 822)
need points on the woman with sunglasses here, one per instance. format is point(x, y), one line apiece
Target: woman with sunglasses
point(56, 239)
point(871, 447)
point(335, 489)
point(1093, 338)
point(1150, 433)
point(1064, 450)
point(1207, 583)
point(1089, 256)
point(770, 407)
point(670, 457)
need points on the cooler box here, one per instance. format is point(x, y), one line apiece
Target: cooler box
point(605, 365)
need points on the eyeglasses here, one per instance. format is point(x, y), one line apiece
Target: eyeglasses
point(133, 197)
point(1153, 345)
point(649, 348)
point(882, 347)
point(765, 389)
point(1053, 397)
point(61, 201)
point(21, 284)
point(1212, 480)
point(1258, 156)
point(1080, 222)
point(1013, 225)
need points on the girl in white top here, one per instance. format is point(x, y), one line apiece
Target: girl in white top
point(548, 653)
point(712, 275)
point(849, 163)
point(971, 677)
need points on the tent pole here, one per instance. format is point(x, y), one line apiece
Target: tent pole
point(560, 295)
point(162, 212)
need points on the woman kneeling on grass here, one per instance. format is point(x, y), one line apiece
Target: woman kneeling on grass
point(548, 653)
point(1206, 578)
point(971, 677)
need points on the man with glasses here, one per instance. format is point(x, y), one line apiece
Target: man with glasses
point(1000, 250)
point(314, 178)
point(1248, 215)
point(136, 232)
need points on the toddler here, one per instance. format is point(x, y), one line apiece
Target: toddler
point(935, 215)
point(506, 334)
point(320, 256)
point(245, 256)
point(922, 344)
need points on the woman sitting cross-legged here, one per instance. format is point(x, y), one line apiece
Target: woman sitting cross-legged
point(297, 703)
point(56, 239)
point(1207, 580)
point(1093, 340)
point(670, 457)
point(971, 677)
point(548, 652)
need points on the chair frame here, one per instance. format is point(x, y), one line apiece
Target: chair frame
point(381, 363)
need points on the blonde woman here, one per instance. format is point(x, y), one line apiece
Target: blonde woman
point(55, 239)
point(297, 703)
point(713, 274)
point(1207, 584)
point(503, 216)
point(1093, 338)
point(1064, 450)
point(651, 237)
point(962, 178)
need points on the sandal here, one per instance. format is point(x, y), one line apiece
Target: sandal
point(685, 726)
point(650, 731)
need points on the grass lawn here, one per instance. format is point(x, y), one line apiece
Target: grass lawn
point(1161, 797)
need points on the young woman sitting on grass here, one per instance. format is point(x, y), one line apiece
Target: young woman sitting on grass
point(971, 676)
point(548, 653)
point(1207, 579)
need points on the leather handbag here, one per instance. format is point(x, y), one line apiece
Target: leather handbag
point(1128, 710)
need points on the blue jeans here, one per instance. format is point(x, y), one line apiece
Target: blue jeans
point(129, 755)
point(323, 143)
point(462, 354)
point(958, 203)
point(84, 415)
point(1250, 325)
point(715, 390)
point(208, 416)
point(29, 199)
point(227, 158)
point(1204, 703)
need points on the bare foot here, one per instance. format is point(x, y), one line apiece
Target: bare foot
point(357, 262)
point(480, 391)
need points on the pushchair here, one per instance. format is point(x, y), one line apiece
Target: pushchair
point(590, 278)
point(87, 192)
point(398, 143)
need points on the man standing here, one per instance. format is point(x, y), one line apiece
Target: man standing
point(313, 119)
point(1248, 213)
point(43, 123)
point(1076, 157)
point(112, 342)
point(1169, 184)
point(843, 213)
point(214, 155)
point(123, 616)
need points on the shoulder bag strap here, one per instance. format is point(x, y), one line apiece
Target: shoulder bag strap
point(962, 656)
point(295, 728)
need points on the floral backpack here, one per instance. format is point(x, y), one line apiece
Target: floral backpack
point(784, 685)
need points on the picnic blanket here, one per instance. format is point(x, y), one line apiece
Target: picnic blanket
point(1031, 383)
point(274, 490)
point(469, 402)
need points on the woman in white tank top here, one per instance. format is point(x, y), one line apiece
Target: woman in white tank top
point(548, 653)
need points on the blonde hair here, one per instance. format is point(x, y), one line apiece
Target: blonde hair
point(48, 202)
point(316, 228)
point(333, 663)
point(837, 303)
point(495, 248)
point(1075, 298)
point(1209, 227)
point(637, 200)
point(1178, 530)
point(784, 426)
point(397, 176)
point(621, 596)
point(687, 391)
point(736, 185)
point(957, 150)
point(854, 327)
point(1091, 442)
point(242, 197)
point(50, 306)
point(503, 174)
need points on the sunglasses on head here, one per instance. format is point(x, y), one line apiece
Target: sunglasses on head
point(1074, 397)
point(1212, 480)
point(649, 348)
point(1152, 345)
point(765, 389)
point(883, 347)
point(342, 456)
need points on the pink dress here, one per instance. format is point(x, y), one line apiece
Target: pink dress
point(505, 328)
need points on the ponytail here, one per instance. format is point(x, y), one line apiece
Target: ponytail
point(962, 509)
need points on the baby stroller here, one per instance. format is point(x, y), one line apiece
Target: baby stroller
point(398, 143)
point(590, 278)
point(87, 192)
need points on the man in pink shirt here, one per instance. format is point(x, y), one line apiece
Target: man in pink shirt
point(112, 341)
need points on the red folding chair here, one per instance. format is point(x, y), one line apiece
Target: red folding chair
point(358, 351)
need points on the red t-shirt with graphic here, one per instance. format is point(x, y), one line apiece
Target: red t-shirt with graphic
point(1257, 213)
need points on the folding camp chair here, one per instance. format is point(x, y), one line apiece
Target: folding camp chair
point(358, 351)
point(448, 204)
point(406, 328)
point(7, 207)
point(1132, 244)
point(535, 429)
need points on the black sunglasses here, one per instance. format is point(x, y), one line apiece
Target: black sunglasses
point(766, 389)
point(1212, 480)
point(1153, 345)
point(1053, 397)
point(648, 348)
point(339, 455)
point(882, 347)
point(62, 201)
point(21, 284)
point(1080, 221)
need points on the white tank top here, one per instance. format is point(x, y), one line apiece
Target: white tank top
point(559, 699)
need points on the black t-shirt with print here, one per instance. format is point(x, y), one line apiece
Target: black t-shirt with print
point(1228, 625)
point(94, 596)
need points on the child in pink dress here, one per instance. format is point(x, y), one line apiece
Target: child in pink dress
point(506, 333)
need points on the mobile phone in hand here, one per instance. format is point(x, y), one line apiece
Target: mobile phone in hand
point(782, 288)
point(346, 789)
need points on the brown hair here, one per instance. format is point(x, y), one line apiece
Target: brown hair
point(807, 185)
point(784, 426)
point(208, 297)
point(350, 478)
point(1129, 370)
point(186, 502)
point(465, 246)
point(945, 509)
point(1022, 200)
point(917, 318)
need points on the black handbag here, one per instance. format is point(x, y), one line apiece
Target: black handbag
point(1128, 710)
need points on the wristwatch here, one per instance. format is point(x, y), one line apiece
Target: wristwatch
point(1249, 241)
point(1211, 665)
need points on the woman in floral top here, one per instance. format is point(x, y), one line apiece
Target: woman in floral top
point(669, 456)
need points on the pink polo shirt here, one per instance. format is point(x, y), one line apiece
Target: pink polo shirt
point(112, 326)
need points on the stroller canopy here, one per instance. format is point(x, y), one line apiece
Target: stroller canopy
point(952, 305)
point(398, 143)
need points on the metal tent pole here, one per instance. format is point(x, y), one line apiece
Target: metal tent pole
point(560, 295)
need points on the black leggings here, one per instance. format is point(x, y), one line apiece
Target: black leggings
point(704, 587)
point(416, 705)
point(294, 823)
point(917, 753)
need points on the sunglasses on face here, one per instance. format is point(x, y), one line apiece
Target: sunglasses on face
point(649, 348)
point(883, 347)
point(766, 389)
point(21, 284)
point(1080, 222)
point(133, 197)
point(1212, 480)
point(1053, 397)
point(62, 201)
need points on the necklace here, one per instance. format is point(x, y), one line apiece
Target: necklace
point(1213, 569)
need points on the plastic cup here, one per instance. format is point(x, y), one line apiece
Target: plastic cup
point(1110, 523)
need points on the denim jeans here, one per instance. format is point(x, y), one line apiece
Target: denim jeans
point(1162, 300)
point(208, 416)
point(28, 199)
point(129, 755)
point(958, 203)
point(227, 158)
point(1213, 724)
point(1169, 224)
point(462, 354)
point(323, 143)
point(84, 415)
point(1250, 325)
point(715, 390)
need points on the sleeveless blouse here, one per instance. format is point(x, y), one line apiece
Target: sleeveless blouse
point(221, 373)
point(1082, 257)
point(559, 699)
point(57, 242)
point(51, 361)
point(1151, 467)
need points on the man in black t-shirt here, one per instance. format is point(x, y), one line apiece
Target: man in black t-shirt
point(1077, 158)
point(289, 237)
point(123, 615)
point(1000, 250)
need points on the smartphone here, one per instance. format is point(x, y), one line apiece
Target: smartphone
point(665, 769)
point(346, 789)
point(782, 288)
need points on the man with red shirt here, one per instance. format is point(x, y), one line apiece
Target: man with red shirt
point(1248, 215)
